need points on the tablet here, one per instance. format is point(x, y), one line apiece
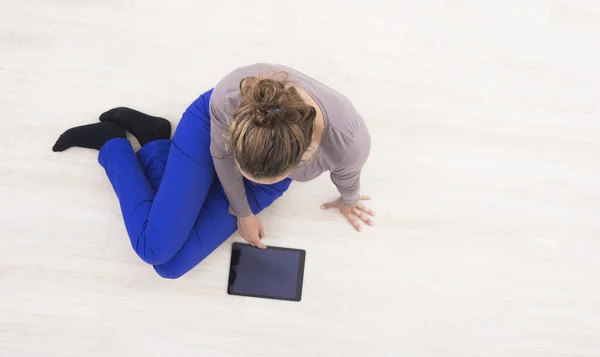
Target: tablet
point(272, 273)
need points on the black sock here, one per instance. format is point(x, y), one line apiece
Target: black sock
point(91, 136)
point(145, 128)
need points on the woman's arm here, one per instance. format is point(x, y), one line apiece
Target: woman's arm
point(249, 226)
point(233, 185)
point(346, 177)
point(347, 181)
point(352, 158)
point(230, 176)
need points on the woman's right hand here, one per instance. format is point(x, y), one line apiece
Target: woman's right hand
point(251, 229)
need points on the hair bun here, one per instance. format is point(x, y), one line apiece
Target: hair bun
point(264, 94)
point(272, 127)
point(267, 96)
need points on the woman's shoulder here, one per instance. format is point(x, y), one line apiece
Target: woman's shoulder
point(347, 139)
point(347, 144)
point(343, 118)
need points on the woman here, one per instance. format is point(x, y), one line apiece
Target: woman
point(261, 127)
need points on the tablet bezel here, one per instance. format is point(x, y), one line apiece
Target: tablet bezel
point(299, 277)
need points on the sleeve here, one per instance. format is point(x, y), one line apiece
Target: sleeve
point(347, 182)
point(230, 176)
point(346, 177)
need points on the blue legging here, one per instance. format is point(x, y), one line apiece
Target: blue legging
point(174, 207)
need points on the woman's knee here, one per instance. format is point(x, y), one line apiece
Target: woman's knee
point(156, 256)
point(174, 269)
point(169, 271)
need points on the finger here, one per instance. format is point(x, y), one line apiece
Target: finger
point(249, 239)
point(365, 209)
point(328, 205)
point(360, 214)
point(365, 197)
point(254, 240)
point(353, 221)
point(244, 237)
point(261, 232)
point(259, 244)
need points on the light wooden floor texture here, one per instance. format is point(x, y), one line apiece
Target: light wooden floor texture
point(485, 173)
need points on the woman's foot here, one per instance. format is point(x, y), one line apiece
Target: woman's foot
point(92, 136)
point(145, 128)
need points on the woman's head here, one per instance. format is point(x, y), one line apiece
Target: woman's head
point(272, 128)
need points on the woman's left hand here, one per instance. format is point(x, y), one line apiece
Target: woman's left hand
point(352, 212)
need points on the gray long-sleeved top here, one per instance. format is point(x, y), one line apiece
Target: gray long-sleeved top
point(344, 148)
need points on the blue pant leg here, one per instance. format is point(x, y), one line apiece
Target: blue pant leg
point(159, 223)
point(215, 210)
point(215, 224)
point(153, 158)
point(214, 213)
point(262, 196)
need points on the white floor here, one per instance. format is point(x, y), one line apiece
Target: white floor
point(485, 171)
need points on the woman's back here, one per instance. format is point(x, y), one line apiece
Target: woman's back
point(345, 142)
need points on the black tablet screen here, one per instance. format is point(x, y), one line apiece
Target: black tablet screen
point(274, 272)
